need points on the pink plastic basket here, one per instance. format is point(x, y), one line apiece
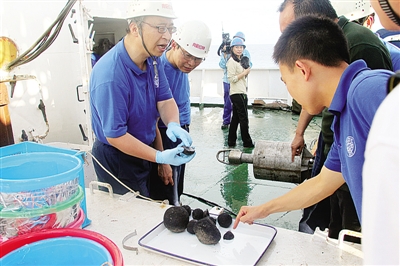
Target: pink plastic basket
point(78, 222)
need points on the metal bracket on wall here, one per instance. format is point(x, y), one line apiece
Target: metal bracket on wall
point(74, 39)
point(77, 93)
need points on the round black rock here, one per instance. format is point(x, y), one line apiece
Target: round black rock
point(190, 226)
point(229, 235)
point(207, 232)
point(188, 209)
point(224, 220)
point(188, 150)
point(176, 219)
point(197, 214)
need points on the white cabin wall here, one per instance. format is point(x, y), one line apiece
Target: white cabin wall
point(266, 83)
point(206, 86)
point(57, 71)
point(263, 84)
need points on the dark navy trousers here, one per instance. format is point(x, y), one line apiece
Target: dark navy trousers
point(226, 117)
point(131, 171)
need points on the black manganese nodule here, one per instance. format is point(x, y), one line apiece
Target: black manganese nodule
point(188, 150)
point(176, 219)
point(229, 235)
point(207, 231)
point(197, 214)
point(213, 219)
point(224, 220)
point(188, 209)
point(190, 226)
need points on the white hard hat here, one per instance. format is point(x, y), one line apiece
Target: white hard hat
point(195, 37)
point(139, 8)
point(353, 9)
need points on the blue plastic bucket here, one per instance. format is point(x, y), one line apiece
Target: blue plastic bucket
point(33, 171)
point(59, 251)
point(61, 254)
point(32, 147)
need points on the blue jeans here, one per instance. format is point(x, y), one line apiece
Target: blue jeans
point(226, 118)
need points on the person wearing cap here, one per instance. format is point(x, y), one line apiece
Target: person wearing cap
point(224, 57)
point(128, 94)
point(336, 212)
point(189, 47)
point(237, 75)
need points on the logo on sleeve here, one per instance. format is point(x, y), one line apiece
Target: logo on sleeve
point(350, 146)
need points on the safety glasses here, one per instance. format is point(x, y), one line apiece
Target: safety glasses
point(162, 29)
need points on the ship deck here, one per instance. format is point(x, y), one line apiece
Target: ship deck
point(231, 186)
point(209, 182)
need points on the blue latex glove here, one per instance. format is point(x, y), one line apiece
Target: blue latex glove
point(173, 156)
point(175, 131)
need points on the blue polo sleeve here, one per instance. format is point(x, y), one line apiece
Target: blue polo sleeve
point(164, 92)
point(112, 103)
point(333, 160)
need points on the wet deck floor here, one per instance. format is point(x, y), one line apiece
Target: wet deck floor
point(231, 186)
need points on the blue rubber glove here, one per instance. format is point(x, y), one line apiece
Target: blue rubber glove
point(173, 156)
point(175, 131)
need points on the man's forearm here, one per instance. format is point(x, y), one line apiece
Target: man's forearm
point(302, 124)
point(132, 146)
point(168, 111)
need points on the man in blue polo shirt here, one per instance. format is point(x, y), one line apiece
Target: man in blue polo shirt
point(314, 63)
point(128, 93)
point(189, 47)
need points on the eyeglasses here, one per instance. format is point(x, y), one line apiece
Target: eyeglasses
point(162, 29)
point(188, 57)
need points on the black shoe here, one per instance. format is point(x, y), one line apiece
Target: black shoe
point(224, 126)
point(231, 145)
point(249, 145)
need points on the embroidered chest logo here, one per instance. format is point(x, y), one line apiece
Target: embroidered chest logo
point(350, 146)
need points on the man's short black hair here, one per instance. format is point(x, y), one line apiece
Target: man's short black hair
point(310, 7)
point(313, 38)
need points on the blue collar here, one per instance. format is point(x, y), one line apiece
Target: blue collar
point(128, 61)
point(339, 99)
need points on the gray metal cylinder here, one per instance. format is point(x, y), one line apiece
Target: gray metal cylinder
point(273, 161)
